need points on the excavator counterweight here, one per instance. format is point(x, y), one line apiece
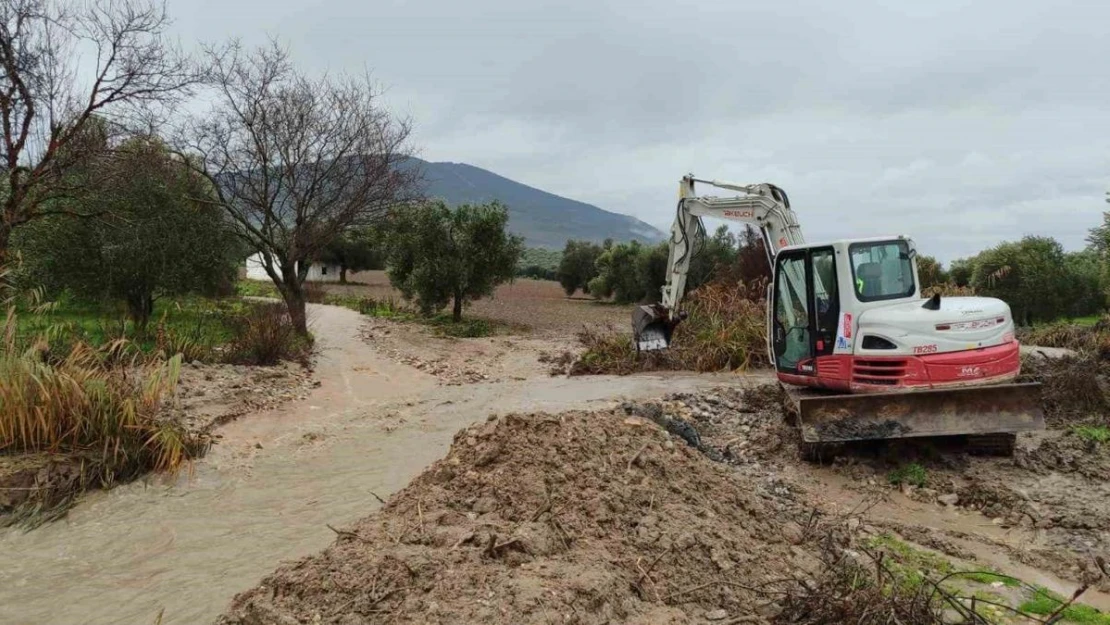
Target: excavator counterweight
point(846, 320)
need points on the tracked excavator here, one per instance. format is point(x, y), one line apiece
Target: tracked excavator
point(861, 354)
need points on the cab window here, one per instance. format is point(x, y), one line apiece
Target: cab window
point(882, 270)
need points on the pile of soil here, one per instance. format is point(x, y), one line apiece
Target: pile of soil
point(209, 395)
point(574, 518)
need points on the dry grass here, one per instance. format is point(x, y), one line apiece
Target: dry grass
point(948, 290)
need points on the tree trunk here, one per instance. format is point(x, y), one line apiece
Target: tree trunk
point(5, 242)
point(342, 274)
point(140, 307)
point(456, 314)
point(293, 294)
point(297, 314)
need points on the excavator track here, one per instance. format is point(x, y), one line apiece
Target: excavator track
point(989, 417)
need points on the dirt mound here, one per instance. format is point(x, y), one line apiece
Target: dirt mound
point(576, 518)
point(738, 426)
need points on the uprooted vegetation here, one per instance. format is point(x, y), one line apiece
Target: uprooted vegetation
point(725, 330)
point(1073, 388)
point(1091, 338)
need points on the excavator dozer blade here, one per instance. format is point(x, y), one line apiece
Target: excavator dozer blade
point(993, 409)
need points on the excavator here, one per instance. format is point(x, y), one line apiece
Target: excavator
point(861, 354)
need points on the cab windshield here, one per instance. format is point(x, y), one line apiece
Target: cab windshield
point(882, 270)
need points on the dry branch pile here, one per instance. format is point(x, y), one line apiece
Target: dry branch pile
point(1073, 388)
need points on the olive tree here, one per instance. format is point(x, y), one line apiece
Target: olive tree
point(930, 272)
point(630, 272)
point(439, 255)
point(295, 160)
point(1030, 275)
point(62, 65)
point(578, 266)
point(156, 235)
point(357, 249)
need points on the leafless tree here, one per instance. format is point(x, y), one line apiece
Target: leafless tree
point(296, 160)
point(63, 64)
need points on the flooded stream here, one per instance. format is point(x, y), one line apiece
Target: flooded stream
point(268, 491)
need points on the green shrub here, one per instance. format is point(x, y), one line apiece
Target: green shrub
point(386, 308)
point(1092, 433)
point(912, 474)
point(467, 328)
point(256, 288)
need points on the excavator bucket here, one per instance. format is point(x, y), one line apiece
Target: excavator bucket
point(651, 327)
point(969, 411)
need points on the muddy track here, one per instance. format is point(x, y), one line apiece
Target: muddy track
point(1041, 515)
point(268, 490)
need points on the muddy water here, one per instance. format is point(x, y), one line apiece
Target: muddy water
point(266, 493)
point(990, 544)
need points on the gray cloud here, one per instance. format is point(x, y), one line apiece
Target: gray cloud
point(960, 123)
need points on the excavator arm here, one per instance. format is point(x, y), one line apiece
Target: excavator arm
point(765, 206)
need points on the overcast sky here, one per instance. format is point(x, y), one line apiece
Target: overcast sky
point(958, 123)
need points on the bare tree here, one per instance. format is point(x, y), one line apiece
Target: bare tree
point(63, 64)
point(295, 160)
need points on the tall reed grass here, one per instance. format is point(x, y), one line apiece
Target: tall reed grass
point(98, 406)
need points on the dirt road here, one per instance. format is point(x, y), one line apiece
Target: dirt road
point(267, 492)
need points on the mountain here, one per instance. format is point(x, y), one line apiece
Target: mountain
point(543, 219)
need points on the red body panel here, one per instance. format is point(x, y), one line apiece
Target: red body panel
point(862, 374)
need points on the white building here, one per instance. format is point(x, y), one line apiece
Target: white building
point(317, 272)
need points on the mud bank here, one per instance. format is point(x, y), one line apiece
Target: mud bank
point(694, 508)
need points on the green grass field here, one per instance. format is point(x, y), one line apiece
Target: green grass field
point(200, 321)
point(1089, 320)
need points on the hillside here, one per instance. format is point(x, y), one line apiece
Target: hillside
point(542, 218)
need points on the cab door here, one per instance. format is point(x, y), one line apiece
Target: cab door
point(792, 340)
point(825, 299)
point(806, 309)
